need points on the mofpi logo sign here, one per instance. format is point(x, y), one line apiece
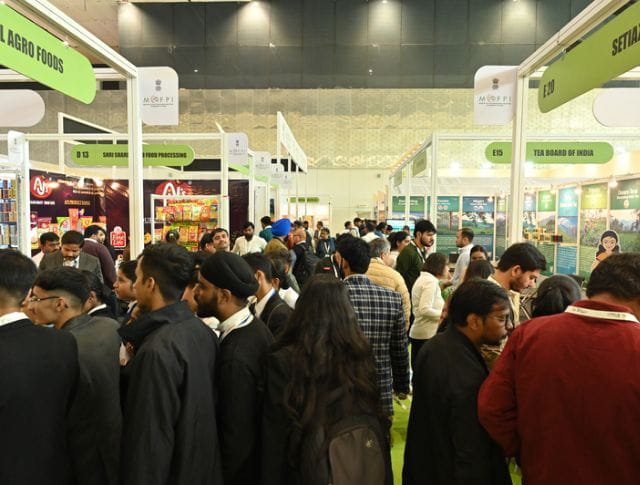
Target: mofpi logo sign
point(40, 187)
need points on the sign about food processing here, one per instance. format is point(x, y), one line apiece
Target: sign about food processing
point(494, 89)
point(611, 51)
point(554, 152)
point(32, 51)
point(159, 96)
point(99, 155)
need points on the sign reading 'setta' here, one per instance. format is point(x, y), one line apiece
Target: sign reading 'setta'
point(35, 53)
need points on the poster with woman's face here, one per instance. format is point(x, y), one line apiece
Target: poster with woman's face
point(608, 245)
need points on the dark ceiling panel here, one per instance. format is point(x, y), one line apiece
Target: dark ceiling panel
point(286, 22)
point(221, 24)
point(351, 22)
point(318, 22)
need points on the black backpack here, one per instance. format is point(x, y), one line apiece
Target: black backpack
point(352, 451)
point(305, 266)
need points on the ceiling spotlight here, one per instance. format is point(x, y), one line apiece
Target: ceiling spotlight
point(370, 72)
point(613, 183)
point(195, 70)
point(272, 45)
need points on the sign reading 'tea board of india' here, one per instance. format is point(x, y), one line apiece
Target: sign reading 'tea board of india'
point(35, 53)
point(108, 155)
point(562, 152)
point(608, 53)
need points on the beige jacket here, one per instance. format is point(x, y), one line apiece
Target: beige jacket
point(381, 274)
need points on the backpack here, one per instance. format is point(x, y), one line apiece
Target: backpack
point(352, 451)
point(305, 266)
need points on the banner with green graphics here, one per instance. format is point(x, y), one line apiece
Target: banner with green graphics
point(419, 164)
point(554, 152)
point(625, 214)
point(107, 155)
point(447, 223)
point(32, 51)
point(612, 50)
point(593, 217)
point(416, 206)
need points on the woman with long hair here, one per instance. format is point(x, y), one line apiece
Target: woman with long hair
point(320, 371)
point(398, 241)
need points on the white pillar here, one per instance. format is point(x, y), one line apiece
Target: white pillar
point(136, 193)
point(224, 185)
point(519, 153)
point(251, 209)
point(407, 197)
point(434, 181)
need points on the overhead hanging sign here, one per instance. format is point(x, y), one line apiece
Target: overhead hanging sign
point(494, 89)
point(419, 164)
point(286, 138)
point(262, 163)
point(611, 51)
point(397, 178)
point(278, 174)
point(100, 155)
point(20, 107)
point(159, 96)
point(554, 152)
point(617, 107)
point(35, 53)
point(237, 148)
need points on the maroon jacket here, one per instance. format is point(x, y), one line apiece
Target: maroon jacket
point(107, 266)
point(564, 397)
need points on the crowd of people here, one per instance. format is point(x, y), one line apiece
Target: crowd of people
point(276, 358)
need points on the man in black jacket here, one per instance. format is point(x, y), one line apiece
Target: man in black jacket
point(169, 429)
point(445, 442)
point(37, 384)
point(224, 284)
point(95, 419)
point(269, 307)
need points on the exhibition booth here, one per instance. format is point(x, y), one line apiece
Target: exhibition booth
point(575, 195)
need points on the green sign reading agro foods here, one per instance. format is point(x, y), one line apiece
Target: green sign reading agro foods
point(608, 53)
point(553, 152)
point(100, 155)
point(35, 53)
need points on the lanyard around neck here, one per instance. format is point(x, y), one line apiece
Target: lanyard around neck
point(602, 314)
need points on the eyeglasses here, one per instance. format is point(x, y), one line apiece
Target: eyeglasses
point(35, 299)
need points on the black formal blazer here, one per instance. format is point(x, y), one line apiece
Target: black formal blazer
point(276, 314)
point(37, 384)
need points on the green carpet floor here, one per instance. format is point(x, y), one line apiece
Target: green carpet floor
point(399, 436)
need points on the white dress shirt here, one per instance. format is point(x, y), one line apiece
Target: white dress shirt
point(259, 308)
point(289, 296)
point(99, 307)
point(12, 317)
point(37, 258)
point(370, 236)
point(461, 265)
point(71, 263)
point(242, 246)
point(237, 320)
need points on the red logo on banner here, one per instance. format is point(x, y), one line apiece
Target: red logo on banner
point(118, 238)
point(171, 187)
point(40, 187)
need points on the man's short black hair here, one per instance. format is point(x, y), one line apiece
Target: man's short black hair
point(68, 280)
point(347, 224)
point(370, 226)
point(424, 226)
point(477, 297)
point(93, 229)
point(266, 220)
point(128, 268)
point(72, 237)
point(259, 262)
point(525, 255)
point(103, 293)
point(247, 225)
point(381, 227)
point(356, 252)
point(48, 237)
point(297, 224)
point(17, 275)
point(218, 230)
point(170, 265)
point(207, 238)
point(618, 275)
point(468, 233)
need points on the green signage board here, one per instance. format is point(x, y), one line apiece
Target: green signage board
point(99, 155)
point(626, 195)
point(302, 200)
point(35, 53)
point(416, 204)
point(612, 50)
point(553, 152)
point(397, 178)
point(594, 196)
point(448, 203)
point(501, 204)
point(546, 201)
point(419, 164)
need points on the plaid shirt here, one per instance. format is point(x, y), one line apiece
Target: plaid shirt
point(381, 318)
